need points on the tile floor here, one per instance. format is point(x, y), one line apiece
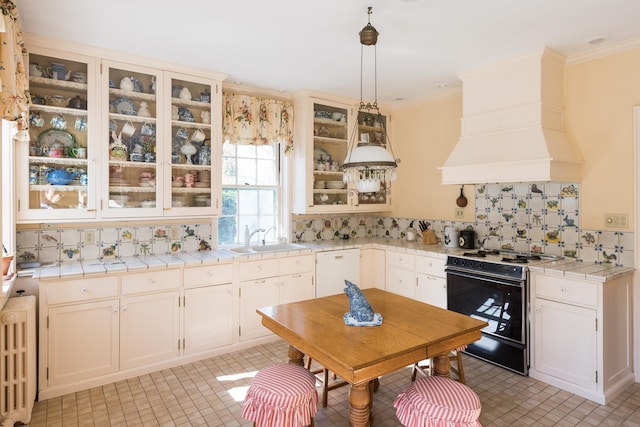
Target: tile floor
point(210, 393)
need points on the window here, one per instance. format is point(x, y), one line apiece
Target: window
point(250, 191)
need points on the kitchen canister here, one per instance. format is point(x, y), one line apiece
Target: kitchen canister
point(467, 238)
point(450, 237)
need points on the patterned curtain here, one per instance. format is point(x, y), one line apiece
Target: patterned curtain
point(255, 121)
point(14, 97)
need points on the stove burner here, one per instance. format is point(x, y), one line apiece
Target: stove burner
point(520, 259)
point(481, 254)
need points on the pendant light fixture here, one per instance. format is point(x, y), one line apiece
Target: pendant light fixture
point(369, 164)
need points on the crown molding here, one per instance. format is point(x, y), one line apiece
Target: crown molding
point(601, 52)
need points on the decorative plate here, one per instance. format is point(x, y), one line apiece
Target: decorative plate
point(50, 136)
point(125, 106)
point(185, 115)
point(320, 153)
point(137, 86)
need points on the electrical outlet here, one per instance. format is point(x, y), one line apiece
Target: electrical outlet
point(459, 213)
point(89, 237)
point(616, 220)
point(173, 233)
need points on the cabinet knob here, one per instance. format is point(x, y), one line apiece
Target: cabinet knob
point(563, 289)
point(209, 273)
point(84, 289)
point(124, 309)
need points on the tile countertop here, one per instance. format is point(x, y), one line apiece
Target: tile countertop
point(568, 268)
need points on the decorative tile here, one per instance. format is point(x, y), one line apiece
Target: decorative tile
point(70, 237)
point(49, 238)
point(27, 238)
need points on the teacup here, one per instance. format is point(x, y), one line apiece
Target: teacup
point(36, 70)
point(148, 129)
point(128, 129)
point(182, 133)
point(80, 124)
point(59, 122)
point(79, 152)
point(198, 135)
point(80, 77)
point(36, 120)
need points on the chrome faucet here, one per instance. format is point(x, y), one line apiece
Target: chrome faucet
point(265, 234)
point(248, 235)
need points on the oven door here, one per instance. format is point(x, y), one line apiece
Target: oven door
point(502, 304)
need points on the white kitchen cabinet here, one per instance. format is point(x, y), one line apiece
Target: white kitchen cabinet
point(83, 342)
point(208, 317)
point(272, 281)
point(208, 307)
point(58, 169)
point(431, 280)
point(372, 268)
point(333, 268)
point(149, 328)
point(79, 330)
point(401, 274)
point(323, 130)
point(581, 334)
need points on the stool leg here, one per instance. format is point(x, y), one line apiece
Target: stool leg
point(460, 368)
point(325, 388)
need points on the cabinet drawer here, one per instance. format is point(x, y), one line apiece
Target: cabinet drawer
point(208, 275)
point(82, 290)
point(296, 264)
point(151, 281)
point(250, 270)
point(431, 265)
point(567, 290)
point(401, 260)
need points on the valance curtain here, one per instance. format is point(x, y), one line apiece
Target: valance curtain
point(256, 121)
point(13, 77)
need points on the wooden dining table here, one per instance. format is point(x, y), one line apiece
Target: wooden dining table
point(411, 331)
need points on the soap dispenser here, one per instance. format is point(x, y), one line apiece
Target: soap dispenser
point(411, 233)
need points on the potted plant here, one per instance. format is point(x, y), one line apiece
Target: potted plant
point(6, 260)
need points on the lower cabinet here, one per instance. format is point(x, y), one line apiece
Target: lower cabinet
point(207, 318)
point(149, 328)
point(83, 342)
point(372, 268)
point(401, 274)
point(432, 280)
point(581, 334)
point(271, 282)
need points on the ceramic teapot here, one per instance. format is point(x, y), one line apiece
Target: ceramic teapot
point(60, 176)
point(126, 84)
point(77, 102)
point(57, 100)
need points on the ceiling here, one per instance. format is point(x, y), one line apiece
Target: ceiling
point(288, 45)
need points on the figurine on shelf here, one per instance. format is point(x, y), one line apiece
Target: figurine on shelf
point(175, 113)
point(204, 157)
point(188, 149)
point(206, 117)
point(118, 149)
point(143, 111)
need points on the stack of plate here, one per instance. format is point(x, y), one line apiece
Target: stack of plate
point(319, 184)
point(335, 185)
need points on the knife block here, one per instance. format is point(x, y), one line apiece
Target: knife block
point(429, 237)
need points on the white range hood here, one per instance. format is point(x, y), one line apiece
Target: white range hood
point(513, 125)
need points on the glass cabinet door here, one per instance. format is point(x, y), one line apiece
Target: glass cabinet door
point(56, 168)
point(193, 104)
point(330, 143)
point(130, 150)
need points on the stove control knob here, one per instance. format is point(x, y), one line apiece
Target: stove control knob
point(481, 266)
point(472, 264)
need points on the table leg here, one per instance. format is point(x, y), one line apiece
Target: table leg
point(360, 405)
point(296, 357)
point(441, 365)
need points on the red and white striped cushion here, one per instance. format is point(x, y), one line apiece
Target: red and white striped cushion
point(438, 402)
point(281, 395)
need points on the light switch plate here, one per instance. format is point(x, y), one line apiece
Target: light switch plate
point(459, 213)
point(89, 237)
point(616, 220)
point(173, 233)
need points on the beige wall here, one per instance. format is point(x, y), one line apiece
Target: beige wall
point(599, 99)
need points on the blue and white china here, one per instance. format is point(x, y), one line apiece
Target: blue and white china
point(36, 120)
point(125, 106)
point(113, 126)
point(56, 100)
point(175, 91)
point(33, 175)
point(205, 96)
point(204, 156)
point(185, 115)
point(175, 158)
point(81, 124)
point(59, 71)
point(148, 129)
point(136, 157)
point(112, 85)
point(79, 77)
point(84, 178)
point(58, 122)
point(182, 133)
point(149, 157)
point(37, 99)
point(137, 85)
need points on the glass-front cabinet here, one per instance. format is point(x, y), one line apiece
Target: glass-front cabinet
point(325, 127)
point(132, 146)
point(189, 149)
point(57, 168)
point(159, 142)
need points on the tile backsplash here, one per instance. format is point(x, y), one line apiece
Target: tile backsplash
point(524, 217)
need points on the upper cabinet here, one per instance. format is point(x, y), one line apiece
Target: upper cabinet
point(324, 129)
point(57, 169)
point(112, 138)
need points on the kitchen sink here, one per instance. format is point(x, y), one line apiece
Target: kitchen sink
point(253, 249)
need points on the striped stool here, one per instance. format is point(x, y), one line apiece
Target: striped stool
point(282, 395)
point(437, 402)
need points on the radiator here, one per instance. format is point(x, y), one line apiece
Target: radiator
point(17, 360)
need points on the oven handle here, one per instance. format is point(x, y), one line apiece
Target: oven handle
point(516, 283)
